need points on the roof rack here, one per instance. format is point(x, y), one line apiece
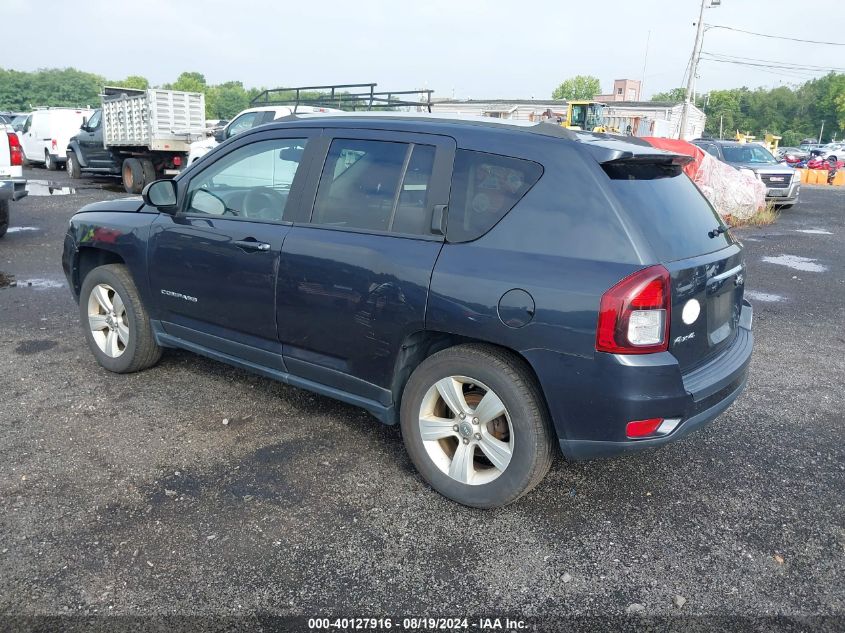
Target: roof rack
point(343, 97)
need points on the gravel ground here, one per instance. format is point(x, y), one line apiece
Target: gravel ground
point(132, 495)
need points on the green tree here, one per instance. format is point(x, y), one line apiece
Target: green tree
point(132, 81)
point(675, 95)
point(580, 87)
point(21, 91)
point(189, 82)
point(225, 100)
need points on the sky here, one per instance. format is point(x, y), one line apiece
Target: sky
point(461, 48)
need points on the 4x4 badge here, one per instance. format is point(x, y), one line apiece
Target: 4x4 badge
point(681, 339)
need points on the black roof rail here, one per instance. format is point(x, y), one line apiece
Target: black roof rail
point(343, 97)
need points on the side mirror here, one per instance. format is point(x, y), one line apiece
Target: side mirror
point(84, 125)
point(220, 135)
point(161, 194)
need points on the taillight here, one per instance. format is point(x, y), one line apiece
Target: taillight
point(54, 144)
point(177, 161)
point(634, 314)
point(15, 151)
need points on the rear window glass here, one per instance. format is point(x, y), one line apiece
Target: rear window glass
point(484, 188)
point(669, 209)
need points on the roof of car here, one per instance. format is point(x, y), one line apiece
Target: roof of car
point(603, 147)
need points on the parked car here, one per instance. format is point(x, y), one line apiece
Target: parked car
point(496, 289)
point(12, 184)
point(792, 154)
point(155, 143)
point(247, 120)
point(831, 152)
point(45, 134)
point(783, 183)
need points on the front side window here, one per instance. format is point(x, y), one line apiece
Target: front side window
point(484, 188)
point(376, 185)
point(253, 182)
point(94, 121)
point(27, 124)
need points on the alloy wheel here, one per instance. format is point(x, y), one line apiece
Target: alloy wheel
point(107, 320)
point(466, 430)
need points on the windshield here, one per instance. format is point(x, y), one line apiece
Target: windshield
point(747, 154)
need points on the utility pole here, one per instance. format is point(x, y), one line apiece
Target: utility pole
point(821, 132)
point(693, 69)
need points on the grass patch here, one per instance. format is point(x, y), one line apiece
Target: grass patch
point(763, 217)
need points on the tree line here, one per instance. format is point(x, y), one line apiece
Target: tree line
point(21, 91)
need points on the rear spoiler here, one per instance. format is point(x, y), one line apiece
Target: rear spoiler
point(609, 149)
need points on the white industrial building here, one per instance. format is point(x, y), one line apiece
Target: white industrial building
point(645, 118)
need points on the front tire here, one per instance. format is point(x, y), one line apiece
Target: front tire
point(116, 325)
point(475, 425)
point(74, 170)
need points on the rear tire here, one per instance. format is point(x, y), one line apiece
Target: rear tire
point(49, 162)
point(4, 217)
point(132, 174)
point(74, 170)
point(501, 450)
point(116, 324)
point(149, 172)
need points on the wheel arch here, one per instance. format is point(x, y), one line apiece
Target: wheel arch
point(73, 148)
point(87, 259)
point(424, 343)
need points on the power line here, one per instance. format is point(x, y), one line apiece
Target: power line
point(776, 65)
point(776, 62)
point(776, 37)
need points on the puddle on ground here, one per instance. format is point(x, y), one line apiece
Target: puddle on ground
point(763, 296)
point(38, 283)
point(796, 262)
point(50, 188)
point(814, 231)
point(18, 229)
point(47, 188)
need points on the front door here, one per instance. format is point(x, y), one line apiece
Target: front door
point(91, 142)
point(32, 148)
point(354, 280)
point(213, 266)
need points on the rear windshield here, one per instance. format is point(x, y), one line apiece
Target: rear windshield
point(669, 209)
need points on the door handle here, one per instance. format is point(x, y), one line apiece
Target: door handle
point(251, 244)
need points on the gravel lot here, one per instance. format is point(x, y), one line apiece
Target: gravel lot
point(132, 495)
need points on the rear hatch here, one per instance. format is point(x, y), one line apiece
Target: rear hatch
point(689, 239)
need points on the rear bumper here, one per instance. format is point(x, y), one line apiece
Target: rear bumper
point(591, 415)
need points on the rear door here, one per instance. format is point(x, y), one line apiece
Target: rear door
point(355, 273)
point(706, 264)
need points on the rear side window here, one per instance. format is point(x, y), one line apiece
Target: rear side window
point(484, 188)
point(668, 208)
point(377, 186)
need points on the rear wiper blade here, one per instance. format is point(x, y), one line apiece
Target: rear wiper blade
point(718, 230)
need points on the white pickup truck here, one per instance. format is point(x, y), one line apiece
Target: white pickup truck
point(12, 184)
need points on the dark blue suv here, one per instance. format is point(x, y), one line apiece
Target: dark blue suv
point(496, 289)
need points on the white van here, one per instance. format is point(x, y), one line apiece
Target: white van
point(46, 133)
